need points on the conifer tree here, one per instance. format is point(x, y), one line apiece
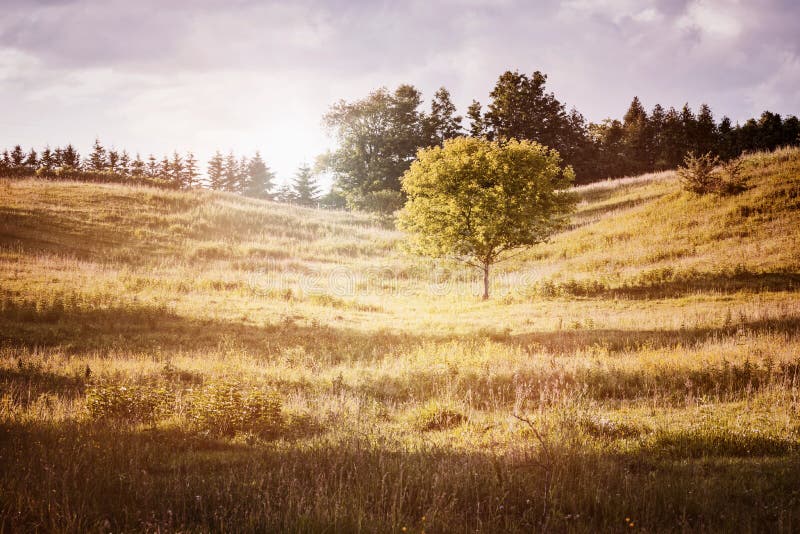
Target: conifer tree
point(97, 159)
point(260, 178)
point(32, 160)
point(165, 168)
point(304, 186)
point(17, 157)
point(636, 137)
point(689, 127)
point(285, 194)
point(124, 167)
point(705, 131)
point(70, 158)
point(657, 158)
point(152, 166)
point(190, 163)
point(176, 170)
point(113, 160)
point(47, 161)
point(216, 172)
point(673, 141)
point(138, 166)
point(243, 175)
point(230, 173)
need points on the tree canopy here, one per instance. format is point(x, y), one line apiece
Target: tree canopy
point(476, 199)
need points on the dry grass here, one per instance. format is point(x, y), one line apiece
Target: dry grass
point(651, 351)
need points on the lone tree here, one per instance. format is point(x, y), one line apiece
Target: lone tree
point(475, 200)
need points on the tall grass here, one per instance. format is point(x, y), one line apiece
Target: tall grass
point(194, 361)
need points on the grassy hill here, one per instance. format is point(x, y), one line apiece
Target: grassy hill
point(196, 360)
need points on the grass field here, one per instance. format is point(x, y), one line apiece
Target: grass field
point(197, 361)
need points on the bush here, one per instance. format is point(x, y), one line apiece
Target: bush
point(697, 174)
point(128, 403)
point(436, 416)
point(731, 181)
point(223, 408)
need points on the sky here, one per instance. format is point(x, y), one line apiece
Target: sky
point(244, 75)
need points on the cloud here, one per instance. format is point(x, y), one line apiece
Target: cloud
point(247, 74)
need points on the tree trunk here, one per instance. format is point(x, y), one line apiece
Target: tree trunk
point(485, 281)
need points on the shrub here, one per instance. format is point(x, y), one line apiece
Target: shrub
point(731, 181)
point(437, 416)
point(697, 174)
point(224, 408)
point(128, 403)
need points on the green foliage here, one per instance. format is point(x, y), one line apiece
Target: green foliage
point(476, 199)
point(378, 139)
point(731, 180)
point(384, 202)
point(697, 174)
point(259, 178)
point(304, 187)
point(225, 408)
point(128, 403)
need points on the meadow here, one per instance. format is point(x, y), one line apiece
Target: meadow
point(198, 361)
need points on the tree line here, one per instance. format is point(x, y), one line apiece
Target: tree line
point(246, 176)
point(379, 135)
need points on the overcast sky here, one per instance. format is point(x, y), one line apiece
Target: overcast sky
point(153, 76)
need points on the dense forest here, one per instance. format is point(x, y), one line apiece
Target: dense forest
point(379, 136)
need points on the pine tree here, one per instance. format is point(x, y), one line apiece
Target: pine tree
point(657, 158)
point(705, 131)
point(113, 160)
point(243, 175)
point(689, 127)
point(165, 168)
point(152, 166)
point(138, 166)
point(176, 170)
point(124, 163)
point(230, 173)
point(304, 186)
point(726, 140)
point(285, 194)
point(17, 157)
point(70, 158)
point(260, 178)
point(636, 138)
point(191, 174)
point(47, 160)
point(216, 172)
point(32, 160)
point(672, 141)
point(97, 159)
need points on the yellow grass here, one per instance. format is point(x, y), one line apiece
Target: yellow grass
point(650, 352)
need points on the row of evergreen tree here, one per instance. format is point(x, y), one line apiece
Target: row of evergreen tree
point(246, 176)
point(112, 165)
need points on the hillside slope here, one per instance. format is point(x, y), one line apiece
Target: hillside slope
point(652, 349)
